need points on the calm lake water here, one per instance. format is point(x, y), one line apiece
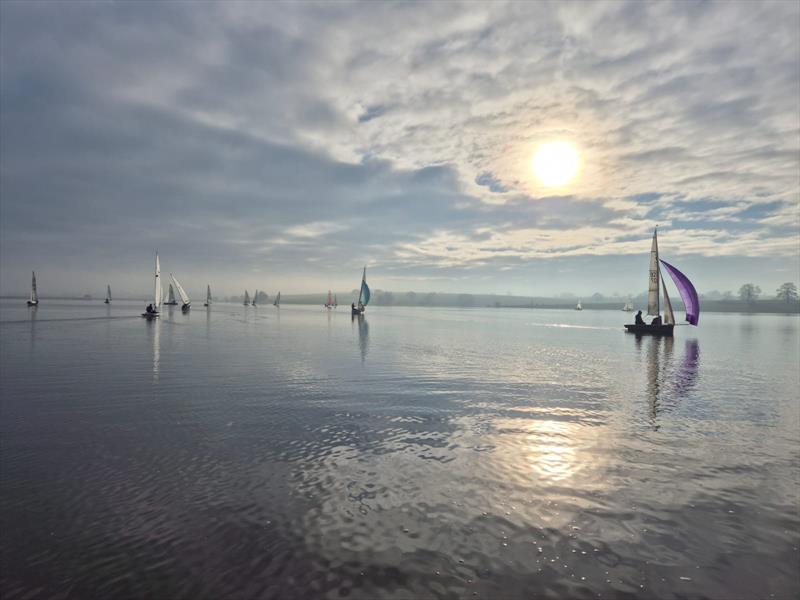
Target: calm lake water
point(443, 453)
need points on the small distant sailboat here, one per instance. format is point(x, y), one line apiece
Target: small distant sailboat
point(363, 296)
point(255, 297)
point(151, 312)
point(246, 298)
point(108, 295)
point(171, 301)
point(329, 302)
point(277, 300)
point(628, 306)
point(208, 296)
point(187, 304)
point(34, 300)
point(578, 306)
point(691, 302)
point(335, 301)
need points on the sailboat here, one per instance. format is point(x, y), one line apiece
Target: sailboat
point(329, 301)
point(152, 310)
point(255, 296)
point(578, 306)
point(108, 295)
point(187, 304)
point(628, 306)
point(208, 296)
point(34, 301)
point(171, 297)
point(277, 300)
point(335, 301)
point(363, 296)
point(246, 298)
point(691, 302)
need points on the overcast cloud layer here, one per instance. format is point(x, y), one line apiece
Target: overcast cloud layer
point(283, 146)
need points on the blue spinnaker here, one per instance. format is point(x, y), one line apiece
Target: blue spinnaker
point(687, 292)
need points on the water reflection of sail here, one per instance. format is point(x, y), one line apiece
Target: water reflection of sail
point(363, 335)
point(686, 376)
point(658, 368)
point(155, 327)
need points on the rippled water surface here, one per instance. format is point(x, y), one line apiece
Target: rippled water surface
point(298, 453)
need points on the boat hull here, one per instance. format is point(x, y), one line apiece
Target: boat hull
point(650, 329)
point(170, 304)
point(33, 303)
point(150, 315)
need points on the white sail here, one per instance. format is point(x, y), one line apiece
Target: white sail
point(653, 307)
point(246, 298)
point(157, 292)
point(171, 295)
point(669, 318)
point(208, 294)
point(181, 291)
point(255, 297)
point(34, 293)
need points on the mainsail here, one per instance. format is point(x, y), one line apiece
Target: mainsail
point(278, 299)
point(208, 294)
point(653, 307)
point(246, 298)
point(688, 294)
point(255, 297)
point(329, 301)
point(108, 294)
point(181, 292)
point(363, 294)
point(34, 293)
point(171, 296)
point(157, 291)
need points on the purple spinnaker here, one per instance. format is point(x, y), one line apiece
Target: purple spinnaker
point(688, 294)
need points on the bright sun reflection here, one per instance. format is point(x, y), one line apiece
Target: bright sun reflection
point(555, 164)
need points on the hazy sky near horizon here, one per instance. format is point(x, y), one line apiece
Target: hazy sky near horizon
point(283, 146)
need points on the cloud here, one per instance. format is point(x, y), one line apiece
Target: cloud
point(295, 139)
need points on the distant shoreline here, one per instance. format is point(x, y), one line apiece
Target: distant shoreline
point(767, 306)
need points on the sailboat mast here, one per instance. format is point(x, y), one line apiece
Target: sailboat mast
point(157, 285)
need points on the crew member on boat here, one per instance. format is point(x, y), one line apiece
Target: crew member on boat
point(639, 320)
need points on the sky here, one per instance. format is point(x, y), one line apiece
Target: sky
point(285, 146)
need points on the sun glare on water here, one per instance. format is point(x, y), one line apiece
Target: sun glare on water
point(555, 164)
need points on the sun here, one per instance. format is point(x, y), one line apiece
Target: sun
point(555, 164)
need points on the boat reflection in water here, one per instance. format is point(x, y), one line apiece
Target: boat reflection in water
point(155, 333)
point(363, 334)
point(666, 384)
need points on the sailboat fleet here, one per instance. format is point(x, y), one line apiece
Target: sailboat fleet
point(657, 288)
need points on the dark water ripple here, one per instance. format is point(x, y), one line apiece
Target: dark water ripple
point(440, 454)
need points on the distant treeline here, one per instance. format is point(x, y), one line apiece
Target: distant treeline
point(434, 299)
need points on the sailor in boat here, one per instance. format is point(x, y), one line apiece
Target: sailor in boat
point(149, 308)
point(639, 319)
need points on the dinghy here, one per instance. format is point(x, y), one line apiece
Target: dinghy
point(277, 300)
point(34, 300)
point(171, 301)
point(152, 309)
point(691, 302)
point(578, 306)
point(363, 296)
point(208, 296)
point(329, 302)
point(246, 298)
point(186, 303)
point(255, 297)
point(108, 295)
point(628, 306)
